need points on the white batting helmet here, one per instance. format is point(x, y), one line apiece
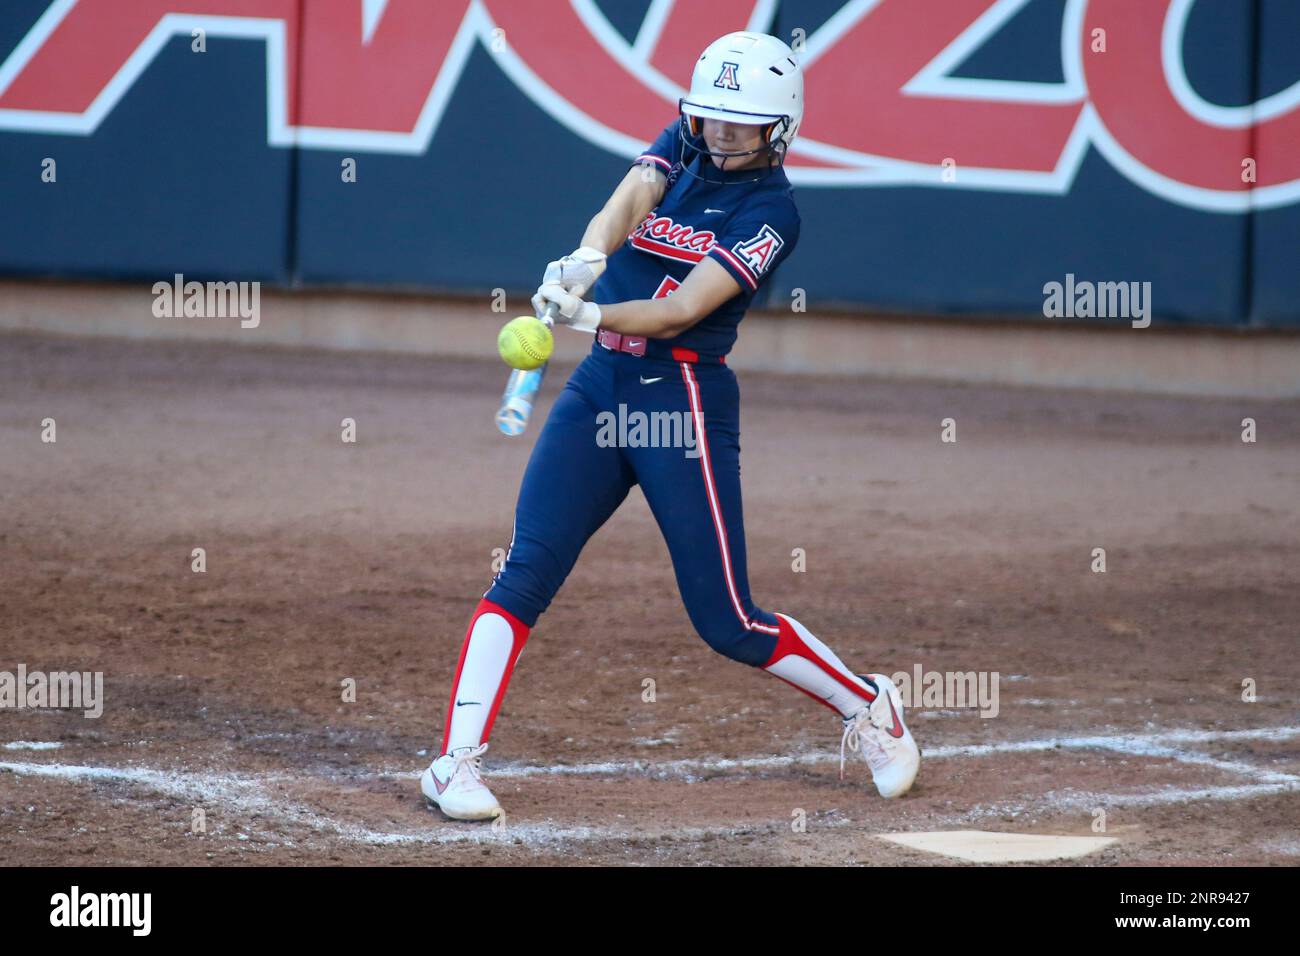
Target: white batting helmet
point(750, 78)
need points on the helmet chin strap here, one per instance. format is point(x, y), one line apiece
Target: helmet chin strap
point(768, 148)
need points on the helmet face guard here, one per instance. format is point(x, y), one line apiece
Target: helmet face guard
point(772, 147)
point(745, 78)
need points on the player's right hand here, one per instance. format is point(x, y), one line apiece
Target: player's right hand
point(577, 272)
point(573, 312)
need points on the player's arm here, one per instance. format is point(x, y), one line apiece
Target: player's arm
point(640, 191)
point(706, 287)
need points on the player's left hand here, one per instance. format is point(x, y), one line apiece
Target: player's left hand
point(577, 272)
point(583, 316)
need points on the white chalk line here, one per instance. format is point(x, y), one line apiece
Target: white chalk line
point(1152, 744)
point(1259, 774)
point(1056, 801)
point(1083, 801)
point(245, 794)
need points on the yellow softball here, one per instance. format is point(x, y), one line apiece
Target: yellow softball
point(525, 342)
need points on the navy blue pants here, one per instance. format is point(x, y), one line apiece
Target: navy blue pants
point(586, 462)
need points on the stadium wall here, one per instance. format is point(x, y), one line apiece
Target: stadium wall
point(485, 133)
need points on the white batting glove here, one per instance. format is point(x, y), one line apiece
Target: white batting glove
point(577, 272)
point(576, 314)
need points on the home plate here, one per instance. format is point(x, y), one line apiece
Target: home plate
point(981, 846)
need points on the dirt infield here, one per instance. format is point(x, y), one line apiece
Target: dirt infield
point(1119, 691)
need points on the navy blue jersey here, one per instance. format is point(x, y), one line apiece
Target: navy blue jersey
point(749, 228)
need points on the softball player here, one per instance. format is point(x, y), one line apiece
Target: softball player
point(672, 262)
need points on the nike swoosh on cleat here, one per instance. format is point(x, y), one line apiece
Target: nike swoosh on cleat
point(466, 703)
point(897, 729)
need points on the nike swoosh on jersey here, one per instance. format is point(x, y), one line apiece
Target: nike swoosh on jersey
point(651, 381)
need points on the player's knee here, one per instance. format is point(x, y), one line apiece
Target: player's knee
point(524, 589)
point(738, 643)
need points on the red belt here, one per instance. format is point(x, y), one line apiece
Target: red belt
point(620, 343)
point(634, 345)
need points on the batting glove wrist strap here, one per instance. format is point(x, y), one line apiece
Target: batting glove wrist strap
point(576, 314)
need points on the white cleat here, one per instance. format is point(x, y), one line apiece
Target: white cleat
point(878, 733)
point(454, 785)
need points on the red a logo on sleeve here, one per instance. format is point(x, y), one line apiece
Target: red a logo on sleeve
point(759, 252)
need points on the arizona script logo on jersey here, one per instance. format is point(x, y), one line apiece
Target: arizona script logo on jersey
point(377, 76)
point(664, 237)
point(661, 236)
point(727, 77)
